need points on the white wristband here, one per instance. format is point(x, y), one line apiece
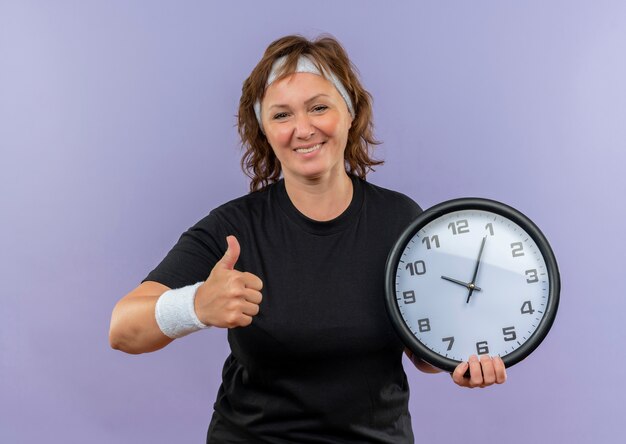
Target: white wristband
point(175, 312)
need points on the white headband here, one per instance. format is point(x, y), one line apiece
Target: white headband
point(304, 65)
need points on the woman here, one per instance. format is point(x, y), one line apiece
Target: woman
point(295, 269)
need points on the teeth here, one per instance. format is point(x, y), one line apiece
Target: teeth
point(309, 150)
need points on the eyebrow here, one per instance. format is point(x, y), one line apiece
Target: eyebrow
point(306, 101)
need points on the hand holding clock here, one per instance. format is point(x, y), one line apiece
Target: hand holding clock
point(483, 372)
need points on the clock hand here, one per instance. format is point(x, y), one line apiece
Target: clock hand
point(465, 284)
point(472, 286)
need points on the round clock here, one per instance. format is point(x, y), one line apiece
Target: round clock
point(471, 276)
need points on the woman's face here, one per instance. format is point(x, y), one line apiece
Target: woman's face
point(306, 121)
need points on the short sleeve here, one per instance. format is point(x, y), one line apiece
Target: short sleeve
point(193, 257)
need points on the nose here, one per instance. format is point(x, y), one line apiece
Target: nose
point(304, 128)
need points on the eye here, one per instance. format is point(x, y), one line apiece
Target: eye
point(278, 116)
point(319, 108)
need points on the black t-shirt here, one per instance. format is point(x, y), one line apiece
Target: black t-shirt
point(320, 362)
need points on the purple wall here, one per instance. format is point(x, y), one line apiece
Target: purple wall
point(117, 133)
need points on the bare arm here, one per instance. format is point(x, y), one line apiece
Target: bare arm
point(133, 326)
point(227, 299)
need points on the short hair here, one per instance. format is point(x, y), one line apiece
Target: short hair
point(258, 161)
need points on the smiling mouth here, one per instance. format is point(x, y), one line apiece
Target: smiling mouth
point(309, 149)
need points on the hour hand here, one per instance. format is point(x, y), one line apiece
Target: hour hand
point(465, 284)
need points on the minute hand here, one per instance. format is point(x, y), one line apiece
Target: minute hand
point(473, 282)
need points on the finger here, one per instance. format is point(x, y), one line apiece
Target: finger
point(246, 320)
point(250, 309)
point(458, 374)
point(242, 321)
point(252, 296)
point(500, 370)
point(236, 317)
point(231, 256)
point(476, 374)
point(489, 374)
point(252, 281)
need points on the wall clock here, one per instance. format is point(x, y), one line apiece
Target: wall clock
point(471, 276)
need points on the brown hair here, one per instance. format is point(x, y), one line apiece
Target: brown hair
point(259, 162)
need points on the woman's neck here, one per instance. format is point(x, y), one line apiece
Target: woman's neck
point(321, 200)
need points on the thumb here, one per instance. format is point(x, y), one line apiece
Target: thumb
point(232, 253)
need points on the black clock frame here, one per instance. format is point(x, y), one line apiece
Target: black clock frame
point(465, 204)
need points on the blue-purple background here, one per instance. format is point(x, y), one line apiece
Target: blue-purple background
point(117, 134)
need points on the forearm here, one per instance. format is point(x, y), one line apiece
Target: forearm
point(134, 328)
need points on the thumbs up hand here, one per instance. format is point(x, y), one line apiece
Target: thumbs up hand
point(229, 298)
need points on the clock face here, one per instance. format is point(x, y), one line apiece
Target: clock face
point(472, 277)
